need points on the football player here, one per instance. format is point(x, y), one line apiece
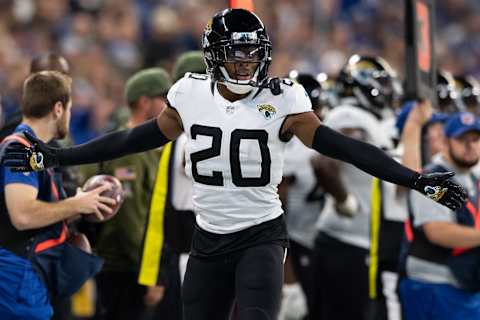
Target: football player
point(329, 95)
point(237, 121)
point(303, 201)
point(367, 95)
point(447, 95)
point(349, 223)
point(468, 89)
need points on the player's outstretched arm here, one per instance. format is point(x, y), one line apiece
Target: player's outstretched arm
point(149, 135)
point(366, 157)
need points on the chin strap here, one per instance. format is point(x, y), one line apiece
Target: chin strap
point(272, 84)
point(238, 88)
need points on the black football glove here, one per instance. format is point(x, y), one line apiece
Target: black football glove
point(37, 157)
point(438, 187)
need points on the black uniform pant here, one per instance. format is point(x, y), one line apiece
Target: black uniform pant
point(301, 258)
point(340, 280)
point(170, 308)
point(251, 277)
point(120, 296)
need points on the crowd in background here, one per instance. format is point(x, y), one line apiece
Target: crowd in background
point(107, 40)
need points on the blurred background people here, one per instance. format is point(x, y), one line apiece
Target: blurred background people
point(468, 90)
point(106, 40)
point(47, 61)
point(360, 229)
point(302, 201)
point(123, 291)
point(35, 247)
point(448, 95)
point(443, 257)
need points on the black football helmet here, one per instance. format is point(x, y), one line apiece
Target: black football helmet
point(447, 96)
point(468, 90)
point(329, 97)
point(311, 85)
point(233, 36)
point(372, 81)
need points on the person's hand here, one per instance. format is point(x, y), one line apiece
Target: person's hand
point(37, 157)
point(349, 207)
point(438, 187)
point(91, 202)
point(421, 113)
point(154, 295)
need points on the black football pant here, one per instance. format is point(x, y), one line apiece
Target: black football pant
point(340, 283)
point(170, 308)
point(120, 296)
point(301, 258)
point(251, 277)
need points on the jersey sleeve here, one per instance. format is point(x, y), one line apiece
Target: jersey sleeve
point(179, 96)
point(293, 149)
point(346, 116)
point(29, 178)
point(300, 100)
point(174, 94)
point(289, 162)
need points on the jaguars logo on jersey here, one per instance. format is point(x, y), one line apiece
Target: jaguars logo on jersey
point(267, 110)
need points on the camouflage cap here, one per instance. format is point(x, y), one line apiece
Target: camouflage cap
point(190, 61)
point(148, 82)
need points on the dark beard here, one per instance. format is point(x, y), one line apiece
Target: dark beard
point(460, 162)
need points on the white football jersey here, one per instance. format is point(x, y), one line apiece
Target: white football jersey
point(182, 185)
point(304, 202)
point(356, 230)
point(234, 154)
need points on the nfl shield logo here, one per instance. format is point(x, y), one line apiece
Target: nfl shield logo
point(230, 109)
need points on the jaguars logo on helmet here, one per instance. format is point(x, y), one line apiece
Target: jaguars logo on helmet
point(468, 90)
point(372, 82)
point(447, 95)
point(310, 84)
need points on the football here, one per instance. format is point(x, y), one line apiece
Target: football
point(116, 193)
point(80, 241)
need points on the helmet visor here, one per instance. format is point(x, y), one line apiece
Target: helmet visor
point(244, 53)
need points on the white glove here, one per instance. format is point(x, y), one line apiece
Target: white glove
point(348, 208)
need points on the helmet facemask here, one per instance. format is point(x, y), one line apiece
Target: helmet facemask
point(449, 100)
point(380, 85)
point(373, 83)
point(242, 51)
